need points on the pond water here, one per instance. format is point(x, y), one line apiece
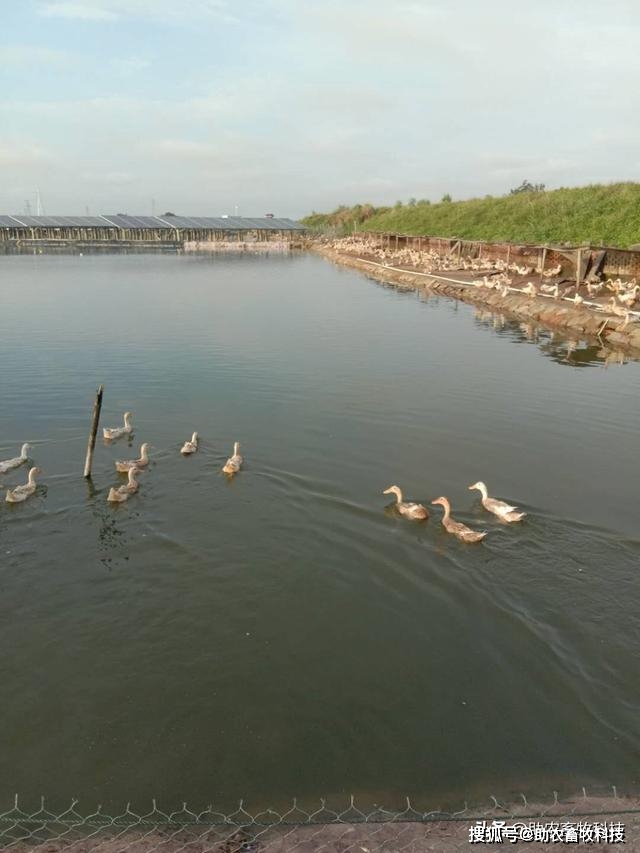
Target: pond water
point(285, 633)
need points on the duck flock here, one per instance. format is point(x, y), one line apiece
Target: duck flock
point(610, 296)
point(130, 467)
point(133, 467)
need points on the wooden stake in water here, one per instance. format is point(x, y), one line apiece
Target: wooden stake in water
point(95, 419)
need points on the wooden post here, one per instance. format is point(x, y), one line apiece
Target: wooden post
point(544, 259)
point(95, 419)
point(508, 255)
point(578, 267)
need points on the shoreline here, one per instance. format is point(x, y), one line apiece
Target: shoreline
point(601, 327)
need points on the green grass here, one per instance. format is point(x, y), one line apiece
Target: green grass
point(607, 214)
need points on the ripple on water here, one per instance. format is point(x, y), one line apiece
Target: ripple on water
point(239, 624)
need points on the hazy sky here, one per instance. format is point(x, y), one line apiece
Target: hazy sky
point(286, 106)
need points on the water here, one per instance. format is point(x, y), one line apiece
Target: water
point(285, 634)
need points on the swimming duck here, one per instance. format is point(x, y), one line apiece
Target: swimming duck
point(190, 446)
point(9, 464)
point(504, 511)
point(123, 493)
point(127, 464)
point(464, 533)
point(233, 463)
point(21, 493)
point(416, 512)
point(116, 432)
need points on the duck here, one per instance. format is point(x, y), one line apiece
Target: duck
point(460, 530)
point(125, 465)
point(10, 464)
point(504, 511)
point(577, 299)
point(21, 493)
point(630, 297)
point(116, 432)
point(233, 463)
point(530, 289)
point(190, 446)
point(615, 308)
point(123, 493)
point(413, 511)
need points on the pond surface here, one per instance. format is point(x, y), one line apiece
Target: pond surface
point(286, 633)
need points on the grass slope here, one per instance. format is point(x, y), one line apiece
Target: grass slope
point(608, 214)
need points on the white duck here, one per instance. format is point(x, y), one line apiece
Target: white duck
point(123, 493)
point(10, 464)
point(233, 463)
point(190, 446)
point(125, 465)
point(116, 432)
point(504, 511)
point(413, 511)
point(21, 493)
point(460, 530)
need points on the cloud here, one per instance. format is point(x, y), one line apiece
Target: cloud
point(163, 11)
point(117, 179)
point(185, 149)
point(18, 154)
point(130, 65)
point(29, 55)
point(77, 11)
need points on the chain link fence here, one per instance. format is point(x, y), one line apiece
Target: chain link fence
point(587, 821)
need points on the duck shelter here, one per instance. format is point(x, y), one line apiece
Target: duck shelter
point(121, 230)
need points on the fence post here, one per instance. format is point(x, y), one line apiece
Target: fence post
point(578, 267)
point(544, 259)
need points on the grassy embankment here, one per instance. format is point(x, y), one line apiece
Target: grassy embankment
point(598, 214)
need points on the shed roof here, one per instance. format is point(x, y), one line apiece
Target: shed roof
point(207, 223)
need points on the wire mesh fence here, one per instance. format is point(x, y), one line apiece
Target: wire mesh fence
point(592, 821)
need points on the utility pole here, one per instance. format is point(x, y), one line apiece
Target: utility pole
point(153, 207)
point(39, 211)
point(27, 207)
point(236, 210)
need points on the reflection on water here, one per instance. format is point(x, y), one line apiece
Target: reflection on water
point(286, 633)
point(557, 345)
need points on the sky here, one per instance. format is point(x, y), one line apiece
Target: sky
point(287, 106)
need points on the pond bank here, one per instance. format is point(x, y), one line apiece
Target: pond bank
point(558, 315)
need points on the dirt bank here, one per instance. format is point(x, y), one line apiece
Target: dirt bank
point(590, 817)
point(551, 313)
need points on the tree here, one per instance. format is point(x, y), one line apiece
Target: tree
point(527, 187)
point(168, 213)
point(412, 202)
point(446, 198)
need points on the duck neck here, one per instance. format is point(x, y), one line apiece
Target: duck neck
point(127, 420)
point(23, 451)
point(483, 491)
point(236, 448)
point(143, 453)
point(32, 477)
point(447, 511)
point(194, 438)
point(132, 476)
